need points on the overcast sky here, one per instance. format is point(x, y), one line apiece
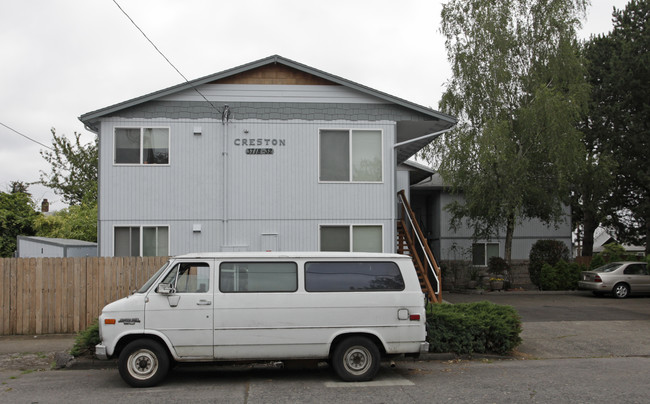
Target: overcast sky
point(63, 58)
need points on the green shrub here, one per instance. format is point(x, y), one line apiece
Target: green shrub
point(545, 252)
point(468, 328)
point(561, 276)
point(613, 252)
point(86, 340)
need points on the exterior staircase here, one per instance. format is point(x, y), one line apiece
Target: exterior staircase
point(411, 241)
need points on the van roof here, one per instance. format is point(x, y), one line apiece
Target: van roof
point(301, 255)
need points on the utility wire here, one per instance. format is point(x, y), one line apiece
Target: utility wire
point(25, 136)
point(163, 55)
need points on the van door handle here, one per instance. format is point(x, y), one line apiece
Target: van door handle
point(204, 303)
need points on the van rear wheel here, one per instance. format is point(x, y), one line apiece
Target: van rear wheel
point(356, 359)
point(143, 363)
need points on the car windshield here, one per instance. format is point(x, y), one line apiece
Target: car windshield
point(611, 267)
point(151, 280)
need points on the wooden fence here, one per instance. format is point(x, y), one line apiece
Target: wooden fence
point(64, 295)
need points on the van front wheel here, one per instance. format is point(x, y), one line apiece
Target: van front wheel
point(356, 359)
point(143, 363)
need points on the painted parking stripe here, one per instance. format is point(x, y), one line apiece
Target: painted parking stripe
point(386, 381)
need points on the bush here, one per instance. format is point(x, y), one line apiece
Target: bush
point(86, 340)
point(468, 328)
point(613, 252)
point(561, 276)
point(545, 252)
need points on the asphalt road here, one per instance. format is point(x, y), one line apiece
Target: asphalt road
point(594, 380)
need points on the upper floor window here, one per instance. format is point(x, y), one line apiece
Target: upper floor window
point(141, 145)
point(350, 155)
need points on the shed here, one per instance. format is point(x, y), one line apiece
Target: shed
point(41, 247)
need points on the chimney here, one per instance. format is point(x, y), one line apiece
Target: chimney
point(45, 206)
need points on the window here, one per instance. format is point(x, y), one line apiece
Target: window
point(351, 155)
point(351, 238)
point(141, 145)
point(189, 277)
point(150, 240)
point(482, 252)
point(352, 276)
point(258, 277)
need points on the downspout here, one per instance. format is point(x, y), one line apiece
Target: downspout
point(224, 156)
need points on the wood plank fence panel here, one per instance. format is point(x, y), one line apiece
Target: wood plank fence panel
point(65, 295)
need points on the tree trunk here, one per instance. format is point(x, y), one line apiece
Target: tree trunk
point(647, 236)
point(510, 230)
point(590, 226)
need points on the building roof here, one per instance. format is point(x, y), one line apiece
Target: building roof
point(59, 242)
point(411, 135)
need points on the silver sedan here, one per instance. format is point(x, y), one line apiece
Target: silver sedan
point(618, 278)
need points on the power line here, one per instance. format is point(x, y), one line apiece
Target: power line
point(26, 137)
point(163, 55)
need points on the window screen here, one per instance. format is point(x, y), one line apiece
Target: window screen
point(352, 276)
point(258, 277)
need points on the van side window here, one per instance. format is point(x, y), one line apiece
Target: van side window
point(258, 277)
point(352, 276)
point(189, 277)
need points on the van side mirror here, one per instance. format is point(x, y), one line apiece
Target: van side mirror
point(165, 289)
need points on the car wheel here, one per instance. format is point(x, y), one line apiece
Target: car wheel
point(356, 359)
point(143, 363)
point(621, 290)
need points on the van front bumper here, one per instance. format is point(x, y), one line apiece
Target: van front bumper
point(100, 352)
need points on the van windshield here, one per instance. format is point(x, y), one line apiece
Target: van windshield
point(151, 280)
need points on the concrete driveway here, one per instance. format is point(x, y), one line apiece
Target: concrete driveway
point(575, 324)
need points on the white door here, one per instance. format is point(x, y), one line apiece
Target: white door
point(184, 313)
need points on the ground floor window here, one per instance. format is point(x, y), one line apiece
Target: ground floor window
point(357, 238)
point(146, 241)
point(482, 252)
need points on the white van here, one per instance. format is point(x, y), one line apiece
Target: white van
point(347, 308)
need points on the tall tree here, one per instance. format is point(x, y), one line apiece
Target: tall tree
point(17, 216)
point(630, 87)
point(74, 168)
point(593, 183)
point(518, 89)
point(74, 222)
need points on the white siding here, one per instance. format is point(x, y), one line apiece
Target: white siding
point(236, 202)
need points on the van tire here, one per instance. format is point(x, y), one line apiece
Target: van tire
point(143, 363)
point(356, 359)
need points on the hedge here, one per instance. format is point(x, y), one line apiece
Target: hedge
point(469, 328)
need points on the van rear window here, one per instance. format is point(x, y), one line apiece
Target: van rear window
point(352, 276)
point(242, 277)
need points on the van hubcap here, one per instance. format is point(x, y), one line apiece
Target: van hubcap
point(142, 364)
point(357, 360)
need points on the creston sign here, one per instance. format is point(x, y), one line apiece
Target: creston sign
point(247, 142)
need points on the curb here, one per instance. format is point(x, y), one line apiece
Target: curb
point(96, 364)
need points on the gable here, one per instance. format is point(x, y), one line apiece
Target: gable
point(274, 74)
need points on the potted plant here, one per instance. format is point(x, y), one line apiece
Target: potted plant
point(496, 283)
